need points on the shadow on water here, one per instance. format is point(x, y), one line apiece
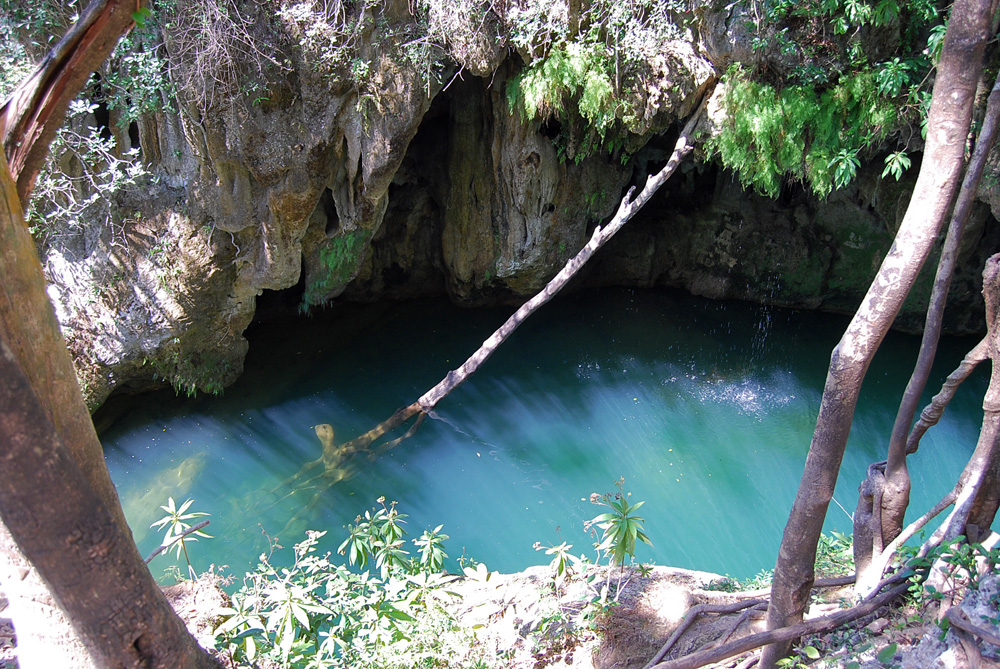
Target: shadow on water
point(706, 409)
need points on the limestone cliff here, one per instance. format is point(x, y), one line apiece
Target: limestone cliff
point(377, 153)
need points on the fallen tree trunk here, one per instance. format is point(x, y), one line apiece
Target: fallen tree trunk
point(626, 210)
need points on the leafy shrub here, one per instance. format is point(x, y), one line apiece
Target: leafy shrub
point(581, 66)
point(83, 170)
point(319, 614)
point(813, 122)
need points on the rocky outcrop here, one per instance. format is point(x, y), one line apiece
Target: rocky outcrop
point(392, 175)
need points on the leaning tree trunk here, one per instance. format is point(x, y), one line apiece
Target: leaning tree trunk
point(950, 117)
point(86, 557)
point(47, 638)
point(885, 493)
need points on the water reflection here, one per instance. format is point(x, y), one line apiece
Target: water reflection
point(705, 408)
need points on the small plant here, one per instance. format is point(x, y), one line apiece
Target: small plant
point(961, 565)
point(378, 537)
point(801, 658)
point(896, 163)
point(177, 523)
point(563, 562)
point(431, 545)
point(835, 554)
point(621, 526)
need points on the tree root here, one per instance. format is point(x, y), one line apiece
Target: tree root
point(959, 619)
point(690, 617)
point(833, 582)
point(783, 634)
point(747, 602)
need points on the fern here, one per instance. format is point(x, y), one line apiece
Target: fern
point(800, 133)
point(576, 79)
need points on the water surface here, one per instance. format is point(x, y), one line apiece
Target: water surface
point(705, 408)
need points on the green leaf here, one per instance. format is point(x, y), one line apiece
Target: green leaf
point(811, 652)
point(886, 654)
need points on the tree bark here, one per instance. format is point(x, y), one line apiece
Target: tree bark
point(897, 480)
point(29, 120)
point(950, 117)
point(932, 413)
point(63, 527)
point(45, 637)
point(987, 497)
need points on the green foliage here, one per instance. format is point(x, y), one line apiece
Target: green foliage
point(813, 122)
point(887, 655)
point(339, 257)
point(730, 584)
point(802, 657)
point(319, 614)
point(37, 25)
point(84, 169)
point(962, 566)
point(563, 564)
point(845, 166)
point(896, 163)
point(799, 131)
point(800, 28)
point(176, 523)
point(582, 78)
point(574, 77)
point(835, 554)
point(431, 545)
point(135, 80)
point(378, 537)
point(622, 527)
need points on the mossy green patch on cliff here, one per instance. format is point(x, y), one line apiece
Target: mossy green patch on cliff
point(339, 259)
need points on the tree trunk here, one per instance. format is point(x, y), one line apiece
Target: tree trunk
point(44, 635)
point(987, 498)
point(932, 413)
point(29, 120)
point(887, 489)
point(950, 117)
point(63, 527)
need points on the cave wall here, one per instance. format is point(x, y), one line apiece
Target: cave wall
point(434, 186)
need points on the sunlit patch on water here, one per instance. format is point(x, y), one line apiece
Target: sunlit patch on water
point(748, 396)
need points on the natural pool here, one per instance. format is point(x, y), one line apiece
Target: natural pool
point(705, 408)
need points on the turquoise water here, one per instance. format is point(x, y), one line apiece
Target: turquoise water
point(705, 408)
